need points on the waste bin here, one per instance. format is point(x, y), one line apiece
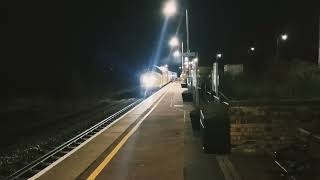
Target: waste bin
point(195, 119)
point(187, 96)
point(215, 128)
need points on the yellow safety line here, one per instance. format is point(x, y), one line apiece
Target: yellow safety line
point(106, 161)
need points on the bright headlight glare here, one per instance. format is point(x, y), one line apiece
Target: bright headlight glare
point(148, 80)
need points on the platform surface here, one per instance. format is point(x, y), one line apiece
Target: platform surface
point(153, 141)
point(155, 150)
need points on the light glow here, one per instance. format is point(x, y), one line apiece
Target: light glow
point(148, 80)
point(177, 54)
point(195, 60)
point(284, 37)
point(219, 55)
point(170, 8)
point(174, 42)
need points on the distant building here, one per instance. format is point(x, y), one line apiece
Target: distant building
point(233, 69)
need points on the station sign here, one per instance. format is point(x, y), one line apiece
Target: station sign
point(189, 54)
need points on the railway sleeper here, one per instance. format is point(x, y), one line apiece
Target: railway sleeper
point(96, 131)
point(46, 163)
point(92, 133)
point(35, 171)
point(73, 147)
point(78, 143)
point(64, 152)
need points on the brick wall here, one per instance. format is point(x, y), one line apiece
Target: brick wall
point(264, 129)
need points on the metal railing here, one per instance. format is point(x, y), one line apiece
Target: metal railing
point(292, 167)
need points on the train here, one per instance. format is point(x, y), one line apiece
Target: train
point(156, 78)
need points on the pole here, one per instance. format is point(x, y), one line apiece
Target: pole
point(187, 27)
point(197, 82)
point(182, 61)
point(319, 44)
point(277, 50)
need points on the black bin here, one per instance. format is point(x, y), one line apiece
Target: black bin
point(215, 129)
point(195, 119)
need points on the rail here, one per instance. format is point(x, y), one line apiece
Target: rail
point(52, 156)
point(298, 163)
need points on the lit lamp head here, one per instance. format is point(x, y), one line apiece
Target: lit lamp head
point(219, 55)
point(284, 37)
point(177, 54)
point(186, 64)
point(195, 60)
point(174, 42)
point(170, 8)
point(252, 49)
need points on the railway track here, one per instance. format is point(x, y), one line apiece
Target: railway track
point(63, 149)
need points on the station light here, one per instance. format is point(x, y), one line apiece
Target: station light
point(252, 49)
point(219, 55)
point(174, 42)
point(284, 37)
point(177, 54)
point(170, 8)
point(186, 59)
point(195, 60)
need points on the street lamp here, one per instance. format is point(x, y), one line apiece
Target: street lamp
point(170, 8)
point(251, 50)
point(219, 56)
point(176, 54)
point(283, 37)
point(195, 60)
point(174, 42)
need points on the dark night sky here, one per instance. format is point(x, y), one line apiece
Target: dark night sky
point(62, 45)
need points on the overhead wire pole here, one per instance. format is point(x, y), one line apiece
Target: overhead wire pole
point(192, 76)
point(319, 44)
point(182, 61)
point(187, 28)
point(188, 46)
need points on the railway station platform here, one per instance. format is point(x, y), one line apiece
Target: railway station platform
point(154, 140)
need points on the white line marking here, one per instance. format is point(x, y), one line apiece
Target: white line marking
point(114, 152)
point(92, 137)
point(227, 168)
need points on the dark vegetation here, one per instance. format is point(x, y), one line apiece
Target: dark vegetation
point(282, 79)
point(34, 130)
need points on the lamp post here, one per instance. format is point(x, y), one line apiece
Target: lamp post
point(176, 54)
point(281, 38)
point(215, 74)
point(174, 42)
point(251, 50)
point(170, 8)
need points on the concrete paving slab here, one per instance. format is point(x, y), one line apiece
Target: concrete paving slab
point(76, 162)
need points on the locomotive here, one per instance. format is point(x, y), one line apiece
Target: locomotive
point(156, 78)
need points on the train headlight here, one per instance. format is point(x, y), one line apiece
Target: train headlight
point(148, 80)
